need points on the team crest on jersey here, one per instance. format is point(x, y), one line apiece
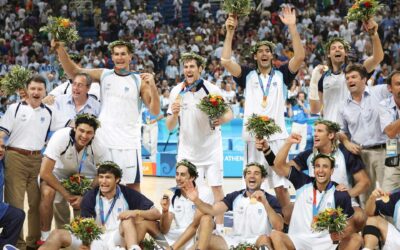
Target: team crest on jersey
point(23, 117)
point(178, 208)
point(274, 84)
point(119, 210)
point(42, 119)
point(259, 211)
point(329, 204)
point(194, 207)
point(126, 89)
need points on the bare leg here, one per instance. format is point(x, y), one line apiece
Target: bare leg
point(282, 194)
point(58, 238)
point(204, 232)
point(281, 241)
point(354, 241)
point(128, 231)
point(218, 196)
point(264, 240)
point(359, 219)
point(371, 241)
point(46, 206)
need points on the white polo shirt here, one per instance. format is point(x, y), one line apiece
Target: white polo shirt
point(27, 127)
point(66, 88)
point(61, 148)
point(65, 111)
point(120, 111)
point(198, 143)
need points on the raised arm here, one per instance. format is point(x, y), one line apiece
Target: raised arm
point(370, 205)
point(281, 166)
point(226, 61)
point(70, 67)
point(316, 97)
point(393, 129)
point(377, 51)
point(288, 17)
point(166, 215)
point(149, 93)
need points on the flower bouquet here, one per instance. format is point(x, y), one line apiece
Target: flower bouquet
point(14, 80)
point(214, 106)
point(77, 184)
point(260, 126)
point(237, 8)
point(85, 229)
point(244, 246)
point(362, 10)
point(333, 220)
point(61, 29)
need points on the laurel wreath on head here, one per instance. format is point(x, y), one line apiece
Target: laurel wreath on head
point(121, 43)
point(193, 56)
point(255, 47)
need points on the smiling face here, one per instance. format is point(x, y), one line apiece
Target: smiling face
point(80, 88)
point(121, 57)
point(253, 178)
point(182, 176)
point(394, 87)
point(36, 91)
point(355, 83)
point(107, 183)
point(337, 53)
point(263, 57)
point(321, 136)
point(84, 133)
point(323, 171)
point(191, 71)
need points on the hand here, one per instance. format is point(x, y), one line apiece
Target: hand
point(353, 148)
point(49, 100)
point(370, 26)
point(148, 78)
point(294, 138)
point(83, 247)
point(217, 122)
point(232, 22)
point(260, 196)
point(165, 203)
point(335, 236)
point(261, 144)
point(378, 192)
point(176, 108)
point(56, 44)
point(128, 214)
point(342, 187)
point(75, 201)
point(288, 15)
point(190, 191)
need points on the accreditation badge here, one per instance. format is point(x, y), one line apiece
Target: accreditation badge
point(392, 153)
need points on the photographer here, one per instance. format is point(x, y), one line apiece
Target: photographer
point(299, 111)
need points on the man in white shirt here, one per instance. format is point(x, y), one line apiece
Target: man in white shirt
point(69, 151)
point(122, 94)
point(198, 141)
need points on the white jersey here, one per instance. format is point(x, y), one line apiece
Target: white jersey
point(198, 143)
point(334, 92)
point(120, 111)
point(61, 148)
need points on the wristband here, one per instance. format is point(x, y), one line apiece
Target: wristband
point(226, 60)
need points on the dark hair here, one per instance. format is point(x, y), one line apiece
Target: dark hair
point(88, 119)
point(358, 68)
point(324, 156)
point(389, 79)
point(36, 78)
point(190, 166)
point(87, 77)
point(261, 167)
point(109, 167)
point(302, 92)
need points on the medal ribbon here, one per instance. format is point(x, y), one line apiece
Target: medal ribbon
point(315, 206)
point(81, 164)
point(104, 220)
point(266, 90)
point(186, 88)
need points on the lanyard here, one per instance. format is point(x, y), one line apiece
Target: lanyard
point(104, 220)
point(81, 164)
point(266, 91)
point(315, 206)
point(189, 88)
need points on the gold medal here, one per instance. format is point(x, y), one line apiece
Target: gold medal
point(264, 102)
point(103, 228)
point(385, 198)
point(253, 200)
point(178, 99)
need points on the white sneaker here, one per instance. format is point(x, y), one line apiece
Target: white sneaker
point(9, 247)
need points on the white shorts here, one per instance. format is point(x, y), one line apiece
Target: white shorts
point(251, 154)
point(174, 234)
point(111, 240)
point(130, 161)
point(392, 238)
point(308, 242)
point(214, 173)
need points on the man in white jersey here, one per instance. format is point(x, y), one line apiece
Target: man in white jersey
point(27, 124)
point(329, 89)
point(183, 212)
point(124, 214)
point(69, 151)
point(314, 195)
point(122, 94)
point(255, 212)
point(379, 231)
point(264, 91)
point(199, 143)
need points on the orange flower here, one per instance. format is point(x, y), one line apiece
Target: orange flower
point(65, 23)
point(355, 6)
point(264, 118)
point(212, 99)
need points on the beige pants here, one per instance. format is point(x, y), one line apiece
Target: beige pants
point(62, 214)
point(374, 160)
point(21, 174)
